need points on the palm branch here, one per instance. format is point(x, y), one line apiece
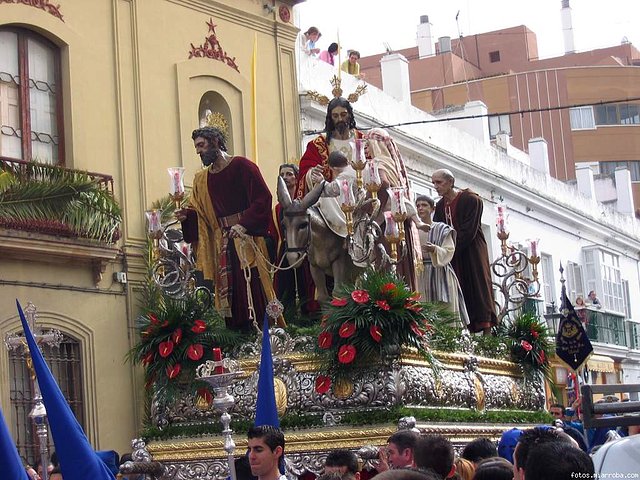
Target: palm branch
point(40, 192)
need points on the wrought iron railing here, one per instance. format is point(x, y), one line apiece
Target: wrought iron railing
point(606, 327)
point(21, 169)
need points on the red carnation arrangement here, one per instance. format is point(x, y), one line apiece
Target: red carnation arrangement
point(365, 322)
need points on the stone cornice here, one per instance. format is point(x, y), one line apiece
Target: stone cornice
point(50, 249)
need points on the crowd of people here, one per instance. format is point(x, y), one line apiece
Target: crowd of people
point(558, 451)
point(541, 453)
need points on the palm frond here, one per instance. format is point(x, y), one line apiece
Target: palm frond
point(6, 179)
point(38, 192)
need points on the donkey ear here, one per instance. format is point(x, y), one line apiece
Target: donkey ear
point(314, 194)
point(283, 194)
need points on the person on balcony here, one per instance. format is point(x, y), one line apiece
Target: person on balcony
point(593, 299)
point(581, 310)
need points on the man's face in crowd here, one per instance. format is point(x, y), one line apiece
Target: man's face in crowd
point(441, 184)
point(557, 413)
point(341, 119)
point(397, 458)
point(208, 151)
point(289, 176)
point(353, 58)
point(262, 460)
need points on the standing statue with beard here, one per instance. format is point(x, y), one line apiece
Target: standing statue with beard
point(227, 220)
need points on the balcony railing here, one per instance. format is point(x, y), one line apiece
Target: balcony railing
point(58, 201)
point(23, 170)
point(604, 327)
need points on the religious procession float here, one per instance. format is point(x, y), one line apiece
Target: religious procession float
point(373, 359)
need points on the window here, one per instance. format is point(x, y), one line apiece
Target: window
point(574, 282)
point(499, 124)
point(602, 274)
point(613, 295)
point(548, 290)
point(608, 168)
point(618, 114)
point(30, 100)
point(65, 364)
point(581, 118)
point(494, 56)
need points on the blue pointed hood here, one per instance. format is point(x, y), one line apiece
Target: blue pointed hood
point(77, 459)
point(9, 459)
point(266, 411)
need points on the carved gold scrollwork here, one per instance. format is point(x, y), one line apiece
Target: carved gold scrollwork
point(281, 396)
point(343, 388)
point(479, 389)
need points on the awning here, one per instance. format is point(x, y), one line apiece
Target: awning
point(601, 363)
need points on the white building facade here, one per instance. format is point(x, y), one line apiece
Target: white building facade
point(598, 247)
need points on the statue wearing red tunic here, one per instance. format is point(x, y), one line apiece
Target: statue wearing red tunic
point(317, 153)
point(235, 195)
point(471, 258)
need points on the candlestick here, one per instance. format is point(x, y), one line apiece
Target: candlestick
point(358, 158)
point(347, 203)
point(154, 225)
point(397, 201)
point(346, 193)
point(534, 247)
point(501, 217)
point(371, 177)
point(392, 234)
point(176, 187)
point(217, 358)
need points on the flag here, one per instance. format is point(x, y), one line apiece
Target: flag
point(573, 346)
point(266, 411)
point(9, 459)
point(77, 459)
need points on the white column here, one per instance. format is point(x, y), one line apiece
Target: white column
point(624, 204)
point(539, 154)
point(395, 77)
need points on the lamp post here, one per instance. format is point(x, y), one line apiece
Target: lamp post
point(38, 413)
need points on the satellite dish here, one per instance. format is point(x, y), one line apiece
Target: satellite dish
point(624, 40)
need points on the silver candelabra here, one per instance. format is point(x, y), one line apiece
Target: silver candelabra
point(220, 375)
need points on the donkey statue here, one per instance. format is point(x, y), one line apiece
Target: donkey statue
point(305, 231)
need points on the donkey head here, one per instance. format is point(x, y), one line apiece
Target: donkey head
point(296, 226)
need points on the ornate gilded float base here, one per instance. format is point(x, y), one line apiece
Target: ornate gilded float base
point(463, 381)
